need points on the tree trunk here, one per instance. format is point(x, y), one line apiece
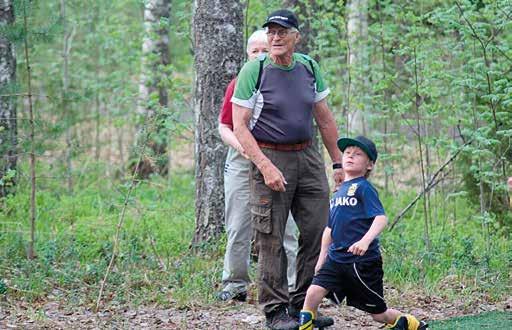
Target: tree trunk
point(155, 61)
point(8, 130)
point(218, 40)
point(357, 34)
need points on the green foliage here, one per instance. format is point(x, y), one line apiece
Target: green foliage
point(74, 242)
point(154, 264)
point(462, 252)
point(491, 320)
point(438, 75)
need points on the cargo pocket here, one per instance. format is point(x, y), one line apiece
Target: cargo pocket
point(262, 218)
point(260, 202)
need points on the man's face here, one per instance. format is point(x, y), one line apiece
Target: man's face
point(281, 39)
point(256, 48)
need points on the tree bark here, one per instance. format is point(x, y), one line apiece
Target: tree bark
point(218, 40)
point(155, 60)
point(357, 33)
point(8, 128)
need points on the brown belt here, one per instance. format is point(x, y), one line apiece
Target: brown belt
point(285, 147)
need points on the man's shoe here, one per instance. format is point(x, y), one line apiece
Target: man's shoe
point(321, 321)
point(230, 295)
point(279, 319)
point(408, 322)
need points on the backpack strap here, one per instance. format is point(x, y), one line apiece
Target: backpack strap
point(312, 69)
point(261, 58)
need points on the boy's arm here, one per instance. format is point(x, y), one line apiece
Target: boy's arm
point(326, 241)
point(359, 248)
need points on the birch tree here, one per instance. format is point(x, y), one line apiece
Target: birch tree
point(8, 131)
point(153, 96)
point(218, 44)
point(357, 34)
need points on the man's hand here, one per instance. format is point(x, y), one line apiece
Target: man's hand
point(359, 248)
point(509, 182)
point(338, 176)
point(273, 177)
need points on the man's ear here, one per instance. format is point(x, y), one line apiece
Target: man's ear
point(297, 37)
point(370, 165)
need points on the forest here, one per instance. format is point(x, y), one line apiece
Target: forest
point(111, 163)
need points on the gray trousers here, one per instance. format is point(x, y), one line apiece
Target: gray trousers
point(307, 196)
point(239, 229)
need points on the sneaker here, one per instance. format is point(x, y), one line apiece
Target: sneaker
point(408, 322)
point(306, 320)
point(279, 319)
point(320, 322)
point(230, 295)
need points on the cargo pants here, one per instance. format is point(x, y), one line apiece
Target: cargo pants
point(307, 197)
point(239, 229)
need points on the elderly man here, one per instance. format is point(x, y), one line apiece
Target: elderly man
point(275, 101)
point(235, 276)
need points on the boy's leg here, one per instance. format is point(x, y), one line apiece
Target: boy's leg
point(388, 317)
point(398, 321)
point(314, 297)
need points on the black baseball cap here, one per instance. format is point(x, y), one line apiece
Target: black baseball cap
point(283, 17)
point(362, 142)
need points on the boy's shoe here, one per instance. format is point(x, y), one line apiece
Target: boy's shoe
point(408, 322)
point(279, 319)
point(230, 295)
point(306, 320)
point(320, 321)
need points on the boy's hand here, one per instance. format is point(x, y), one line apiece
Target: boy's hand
point(359, 248)
point(319, 265)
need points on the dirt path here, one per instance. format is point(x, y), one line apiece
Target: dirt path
point(52, 315)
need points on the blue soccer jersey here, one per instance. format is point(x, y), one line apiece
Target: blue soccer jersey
point(352, 211)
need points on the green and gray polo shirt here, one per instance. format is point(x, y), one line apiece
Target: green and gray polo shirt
point(282, 107)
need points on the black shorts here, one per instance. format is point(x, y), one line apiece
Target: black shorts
point(360, 283)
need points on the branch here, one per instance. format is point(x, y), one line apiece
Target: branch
point(24, 95)
point(471, 26)
point(431, 184)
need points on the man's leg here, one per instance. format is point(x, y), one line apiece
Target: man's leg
point(235, 276)
point(269, 211)
point(310, 208)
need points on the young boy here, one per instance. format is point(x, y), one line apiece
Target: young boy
point(350, 264)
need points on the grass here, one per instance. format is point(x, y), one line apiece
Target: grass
point(491, 320)
point(74, 244)
point(155, 265)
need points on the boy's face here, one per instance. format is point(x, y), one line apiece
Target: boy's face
point(356, 162)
